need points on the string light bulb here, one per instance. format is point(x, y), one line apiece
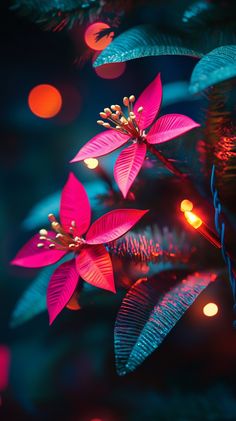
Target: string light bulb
point(186, 205)
point(197, 223)
point(194, 220)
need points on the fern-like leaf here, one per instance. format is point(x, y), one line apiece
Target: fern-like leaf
point(144, 41)
point(149, 312)
point(213, 68)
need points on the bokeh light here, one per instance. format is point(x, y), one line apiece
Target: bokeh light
point(91, 34)
point(91, 163)
point(210, 309)
point(186, 205)
point(4, 366)
point(111, 70)
point(45, 101)
point(96, 419)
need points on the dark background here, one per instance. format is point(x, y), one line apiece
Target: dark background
point(67, 371)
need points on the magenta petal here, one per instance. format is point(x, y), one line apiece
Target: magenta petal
point(94, 266)
point(128, 166)
point(60, 288)
point(113, 225)
point(170, 126)
point(150, 99)
point(31, 256)
point(75, 206)
point(101, 144)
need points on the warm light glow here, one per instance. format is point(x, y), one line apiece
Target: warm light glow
point(111, 70)
point(193, 219)
point(210, 309)
point(186, 205)
point(45, 101)
point(96, 419)
point(91, 34)
point(4, 366)
point(91, 163)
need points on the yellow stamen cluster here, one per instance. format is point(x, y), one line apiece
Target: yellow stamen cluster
point(63, 240)
point(127, 124)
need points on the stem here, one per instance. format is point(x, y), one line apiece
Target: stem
point(168, 164)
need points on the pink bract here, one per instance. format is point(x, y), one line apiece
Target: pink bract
point(92, 261)
point(132, 128)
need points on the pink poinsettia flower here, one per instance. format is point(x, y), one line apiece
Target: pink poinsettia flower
point(132, 127)
point(91, 260)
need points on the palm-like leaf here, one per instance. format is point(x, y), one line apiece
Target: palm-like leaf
point(144, 41)
point(147, 315)
point(213, 68)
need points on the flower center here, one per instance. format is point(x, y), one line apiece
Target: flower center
point(123, 123)
point(63, 240)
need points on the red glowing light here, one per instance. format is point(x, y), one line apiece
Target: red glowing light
point(4, 366)
point(210, 310)
point(45, 101)
point(91, 35)
point(111, 70)
point(96, 419)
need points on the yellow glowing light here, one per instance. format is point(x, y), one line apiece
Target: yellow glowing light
point(186, 205)
point(193, 219)
point(91, 163)
point(210, 309)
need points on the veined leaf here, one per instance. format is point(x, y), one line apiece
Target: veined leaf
point(144, 41)
point(215, 67)
point(148, 314)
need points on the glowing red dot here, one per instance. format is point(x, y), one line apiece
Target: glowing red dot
point(111, 70)
point(45, 101)
point(91, 35)
point(4, 366)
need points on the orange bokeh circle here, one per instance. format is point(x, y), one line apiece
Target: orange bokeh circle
point(91, 33)
point(45, 101)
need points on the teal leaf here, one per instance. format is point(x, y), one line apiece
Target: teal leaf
point(37, 216)
point(144, 41)
point(33, 300)
point(215, 67)
point(148, 313)
point(175, 92)
point(196, 10)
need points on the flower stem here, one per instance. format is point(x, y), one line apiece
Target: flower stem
point(168, 164)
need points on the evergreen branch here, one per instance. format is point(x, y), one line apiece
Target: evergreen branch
point(153, 246)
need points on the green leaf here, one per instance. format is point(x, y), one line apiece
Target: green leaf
point(144, 41)
point(215, 67)
point(149, 311)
